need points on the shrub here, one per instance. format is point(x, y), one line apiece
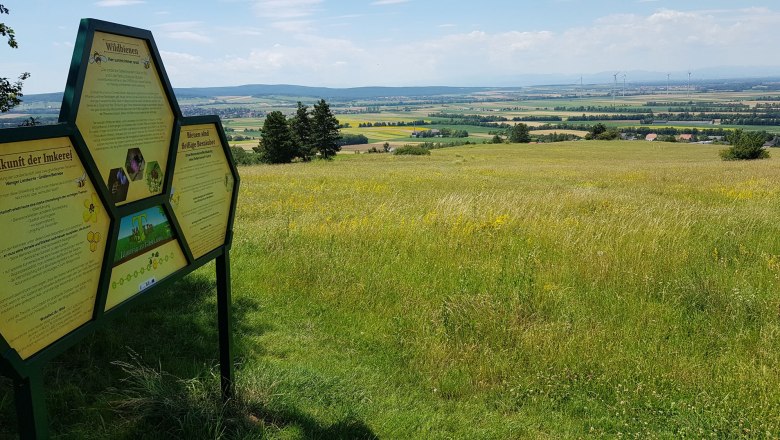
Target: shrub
point(413, 150)
point(745, 146)
point(243, 157)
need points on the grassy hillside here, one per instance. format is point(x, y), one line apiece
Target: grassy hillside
point(493, 291)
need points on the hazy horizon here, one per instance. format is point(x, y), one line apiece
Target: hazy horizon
point(410, 43)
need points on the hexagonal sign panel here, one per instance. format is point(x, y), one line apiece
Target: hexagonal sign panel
point(202, 189)
point(147, 252)
point(125, 117)
point(53, 243)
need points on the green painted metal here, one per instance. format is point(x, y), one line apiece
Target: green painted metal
point(27, 373)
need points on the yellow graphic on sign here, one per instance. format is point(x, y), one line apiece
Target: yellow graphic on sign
point(146, 253)
point(52, 245)
point(202, 188)
point(125, 117)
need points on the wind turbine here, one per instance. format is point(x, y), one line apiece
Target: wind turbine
point(624, 84)
point(614, 88)
point(667, 83)
point(689, 84)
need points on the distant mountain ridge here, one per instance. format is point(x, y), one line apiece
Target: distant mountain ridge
point(327, 92)
point(354, 93)
point(305, 91)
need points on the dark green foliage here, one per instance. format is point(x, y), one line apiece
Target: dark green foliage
point(745, 146)
point(243, 157)
point(411, 149)
point(276, 144)
point(353, 139)
point(556, 137)
point(609, 135)
point(520, 134)
point(10, 92)
point(301, 128)
point(325, 130)
point(30, 122)
point(596, 130)
point(497, 139)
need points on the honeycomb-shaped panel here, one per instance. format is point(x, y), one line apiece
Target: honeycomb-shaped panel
point(146, 252)
point(124, 115)
point(203, 185)
point(55, 228)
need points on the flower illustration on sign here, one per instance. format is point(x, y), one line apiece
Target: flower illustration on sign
point(92, 206)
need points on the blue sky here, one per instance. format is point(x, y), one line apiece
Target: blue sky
point(349, 43)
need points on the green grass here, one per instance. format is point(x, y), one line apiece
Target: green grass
point(563, 290)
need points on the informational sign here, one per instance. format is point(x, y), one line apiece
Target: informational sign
point(202, 188)
point(52, 246)
point(125, 117)
point(146, 252)
point(105, 207)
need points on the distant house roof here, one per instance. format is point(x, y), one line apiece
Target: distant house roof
point(774, 142)
point(685, 137)
point(651, 137)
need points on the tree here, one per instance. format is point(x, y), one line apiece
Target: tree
point(276, 141)
point(300, 126)
point(745, 146)
point(597, 130)
point(520, 134)
point(325, 130)
point(10, 92)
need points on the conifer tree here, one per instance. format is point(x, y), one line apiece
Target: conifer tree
point(276, 141)
point(325, 130)
point(301, 127)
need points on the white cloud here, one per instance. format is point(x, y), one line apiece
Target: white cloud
point(285, 9)
point(388, 2)
point(298, 26)
point(185, 30)
point(664, 40)
point(115, 3)
point(189, 36)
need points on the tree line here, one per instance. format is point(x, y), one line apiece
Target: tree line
point(393, 124)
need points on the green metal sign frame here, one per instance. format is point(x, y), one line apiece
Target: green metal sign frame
point(27, 374)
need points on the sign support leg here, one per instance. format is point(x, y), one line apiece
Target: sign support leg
point(225, 324)
point(31, 407)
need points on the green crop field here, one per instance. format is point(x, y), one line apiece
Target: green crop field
point(568, 290)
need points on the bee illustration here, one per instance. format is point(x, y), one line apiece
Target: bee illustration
point(81, 181)
point(97, 58)
point(147, 63)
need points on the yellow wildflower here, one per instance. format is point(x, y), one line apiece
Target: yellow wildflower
point(92, 206)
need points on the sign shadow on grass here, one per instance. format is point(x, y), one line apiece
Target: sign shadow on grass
point(154, 374)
